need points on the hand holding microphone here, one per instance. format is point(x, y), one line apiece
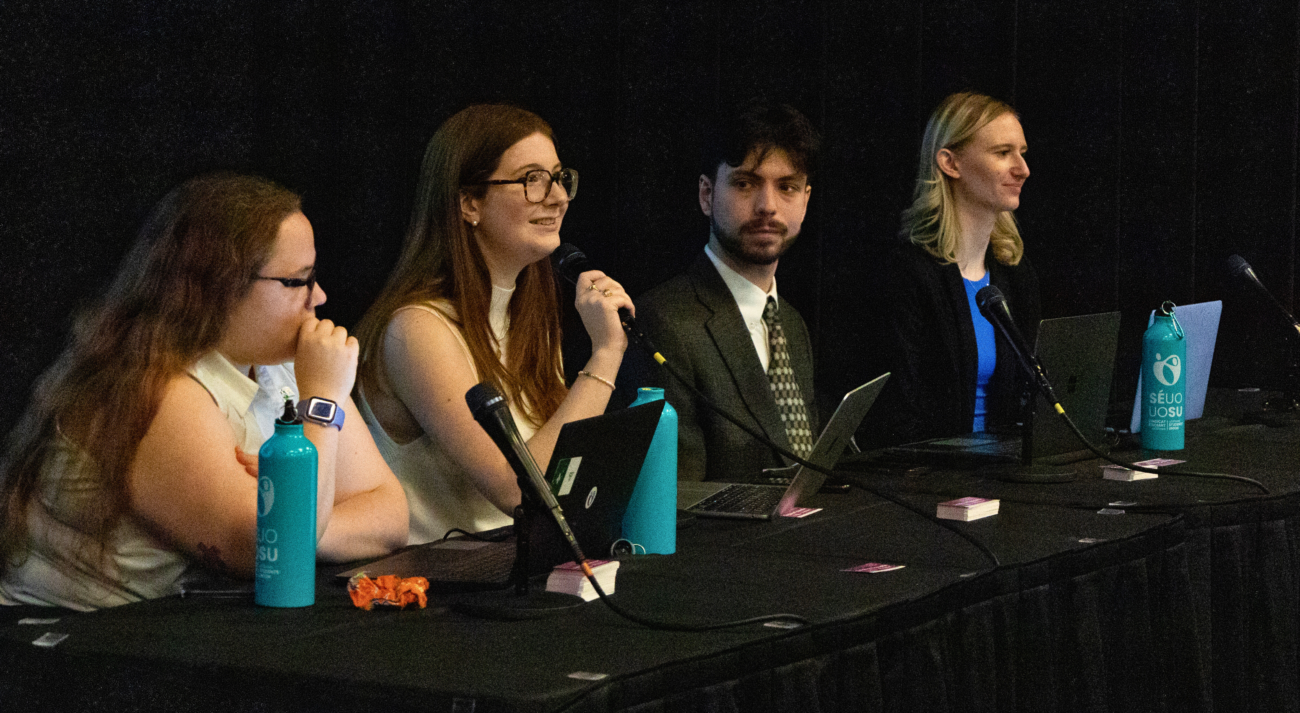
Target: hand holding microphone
point(571, 263)
point(600, 301)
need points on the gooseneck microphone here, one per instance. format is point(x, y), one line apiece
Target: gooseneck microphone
point(493, 414)
point(993, 305)
point(570, 263)
point(1240, 269)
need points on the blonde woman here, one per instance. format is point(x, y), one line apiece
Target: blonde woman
point(952, 373)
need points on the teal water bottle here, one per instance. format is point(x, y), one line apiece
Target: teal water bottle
point(651, 518)
point(285, 574)
point(1164, 382)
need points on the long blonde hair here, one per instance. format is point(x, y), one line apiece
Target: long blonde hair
point(931, 221)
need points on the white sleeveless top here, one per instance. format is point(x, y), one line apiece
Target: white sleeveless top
point(440, 494)
point(137, 565)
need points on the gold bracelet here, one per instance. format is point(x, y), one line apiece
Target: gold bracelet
point(601, 379)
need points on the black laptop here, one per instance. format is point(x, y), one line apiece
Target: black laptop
point(1078, 354)
point(594, 467)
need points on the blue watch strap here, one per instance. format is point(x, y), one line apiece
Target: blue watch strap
point(322, 412)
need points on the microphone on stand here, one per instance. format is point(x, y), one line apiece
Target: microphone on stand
point(1241, 269)
point(493, 414)
point(1290, 401)
point(993, 305)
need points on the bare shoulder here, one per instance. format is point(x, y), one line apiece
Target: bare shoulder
point(416, 341)
point(189, 412)
point(187, 483)
point(412, 329)
point(188, 440)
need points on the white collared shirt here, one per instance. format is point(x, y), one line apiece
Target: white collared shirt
point(136, 564)
point(251, 407)
point(751, 300)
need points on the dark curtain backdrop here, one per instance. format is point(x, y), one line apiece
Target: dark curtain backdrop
point(1162, 139)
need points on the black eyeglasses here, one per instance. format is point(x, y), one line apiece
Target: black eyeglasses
point(294, 283)
point(538, 182)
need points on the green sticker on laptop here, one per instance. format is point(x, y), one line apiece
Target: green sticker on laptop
point(566, 470)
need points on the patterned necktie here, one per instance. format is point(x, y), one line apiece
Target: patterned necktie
point(785, 389)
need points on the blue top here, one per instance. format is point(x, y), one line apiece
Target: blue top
point(984, 346)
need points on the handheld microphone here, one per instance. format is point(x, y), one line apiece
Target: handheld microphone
point(993, 305)
point(571, 262)
point(493, 414)
point(1239, 268)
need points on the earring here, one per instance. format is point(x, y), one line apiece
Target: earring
point(474, 223)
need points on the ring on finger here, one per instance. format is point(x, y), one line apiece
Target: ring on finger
point(607, 292)
point(592, 286)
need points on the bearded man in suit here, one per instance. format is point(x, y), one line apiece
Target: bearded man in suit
point(721, 323)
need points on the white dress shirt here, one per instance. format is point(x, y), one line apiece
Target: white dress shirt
point(751, 300)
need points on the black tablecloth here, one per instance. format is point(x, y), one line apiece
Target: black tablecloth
point(1185, 602)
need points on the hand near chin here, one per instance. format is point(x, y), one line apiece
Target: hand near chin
point(598, 299)
point(326, 360)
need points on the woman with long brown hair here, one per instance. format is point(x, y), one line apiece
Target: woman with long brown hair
point(473, 299)
point(951, 374)
point(136, 460)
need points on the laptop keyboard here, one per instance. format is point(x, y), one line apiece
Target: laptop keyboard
point(490, 563)
point(739, 498)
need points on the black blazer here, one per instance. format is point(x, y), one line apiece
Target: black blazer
point(933, 355)
point(695, 323)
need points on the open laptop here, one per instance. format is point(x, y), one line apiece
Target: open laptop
point(596, 461)
point(1078, 354)
point(1200, 324)
point(756, 501)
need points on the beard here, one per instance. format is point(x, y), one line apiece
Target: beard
point(734, 243)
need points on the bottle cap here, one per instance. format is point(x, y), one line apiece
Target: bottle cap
point(290, 415)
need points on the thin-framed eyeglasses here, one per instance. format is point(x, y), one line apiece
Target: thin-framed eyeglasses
point(537, 183)
point(294, 283)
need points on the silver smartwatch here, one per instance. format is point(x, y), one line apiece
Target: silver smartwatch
point(322, 412)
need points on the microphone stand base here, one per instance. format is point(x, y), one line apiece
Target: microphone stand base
point(1040, 474)
point(505, 605)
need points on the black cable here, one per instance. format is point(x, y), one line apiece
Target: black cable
point(949, 525)
point(478, 536)
point(1147, 469)
point(644, 342)
point(580, 559)
point(570, 263)
point(993, 305)
point(670, 626)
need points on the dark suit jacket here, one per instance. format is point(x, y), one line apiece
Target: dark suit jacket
point(694, 322)
point(934, 357)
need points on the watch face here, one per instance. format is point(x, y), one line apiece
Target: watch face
point(321, 410)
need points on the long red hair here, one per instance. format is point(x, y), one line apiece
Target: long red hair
point(441, 260)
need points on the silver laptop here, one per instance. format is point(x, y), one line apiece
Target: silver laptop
point(755, 501)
